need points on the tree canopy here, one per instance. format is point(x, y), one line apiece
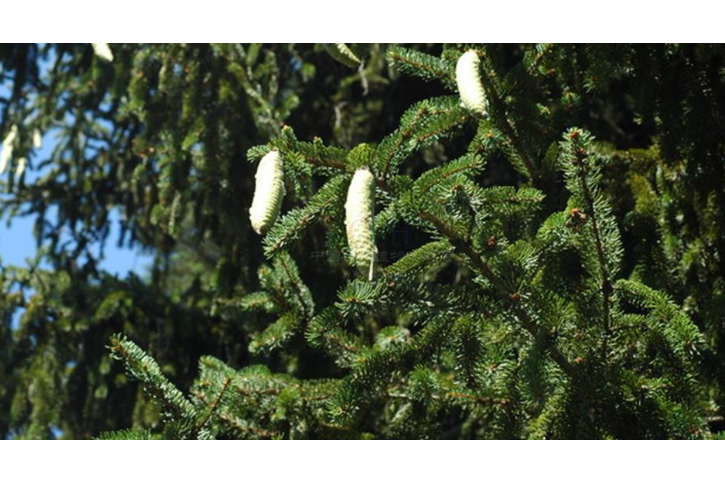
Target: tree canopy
point(534, 248)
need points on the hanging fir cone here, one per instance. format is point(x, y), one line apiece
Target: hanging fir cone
point(359, 209)
point(469, 83)
point(268, 193)
point(103, 51)
point(7, 148)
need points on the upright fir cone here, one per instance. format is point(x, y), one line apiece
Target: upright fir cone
point(7, 148)
point(359, 210)
point(268, 193)
point(21, 167)
point(469, 82)
point(103, 51)
point(37, 139)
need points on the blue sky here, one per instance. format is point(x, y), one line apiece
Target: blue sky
point(17, 242)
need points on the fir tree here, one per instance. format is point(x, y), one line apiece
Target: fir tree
point(546, 239)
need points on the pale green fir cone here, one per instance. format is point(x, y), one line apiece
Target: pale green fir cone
point(7, 148)
point(103, 51)
point(469, 83)
point(37, 139)
point(21, 167)
point(343, 54)
point(268, 193)
point(359, 224)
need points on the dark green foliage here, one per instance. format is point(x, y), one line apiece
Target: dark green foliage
point(327, 200)
point(552, 270)
point(128, 434)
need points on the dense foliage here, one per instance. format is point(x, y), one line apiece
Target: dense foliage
point(549, 258)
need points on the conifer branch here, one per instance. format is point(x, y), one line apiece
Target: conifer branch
point(487, 272)
point(325, 162)
point(214, 404)
point(579, 156)
point(478, 399)
point(237, 425)
point(420, 257)
point(334, 339)
point(296, 289)
point(127, 434)
point(401, 139)
point(145, 369)
point(423, 123)
point(606, 279)
point(422, 65)
point(437, 175)
point(539, 58)
point(456, 395)
point(290, 226)
point(275, 335)
point(505, 126)
point(324, 331)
